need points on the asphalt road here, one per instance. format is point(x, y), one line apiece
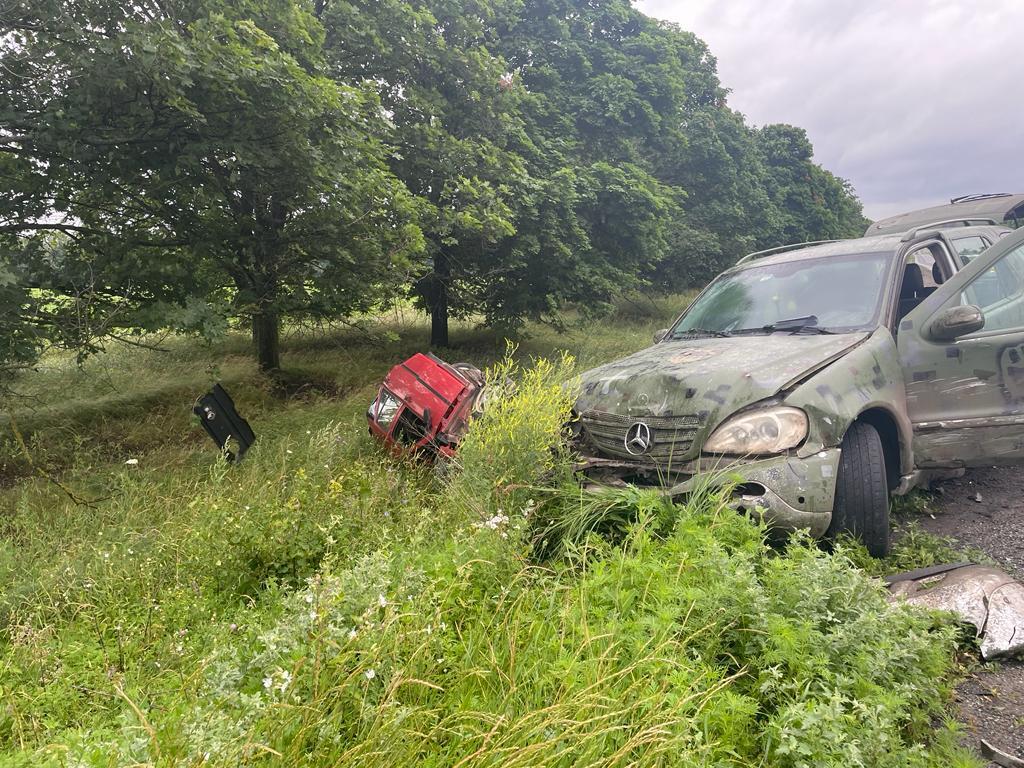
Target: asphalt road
point(985, 509)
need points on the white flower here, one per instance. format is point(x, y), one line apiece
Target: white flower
point(132, 462)
point(496, 522)
point(382, 601)
point(268, 682)
point(352, 634)
point(370, 674)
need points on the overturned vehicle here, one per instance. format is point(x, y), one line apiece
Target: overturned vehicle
point(425, 405)
point(820, 378)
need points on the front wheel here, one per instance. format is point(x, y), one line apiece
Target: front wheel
point(861, 506)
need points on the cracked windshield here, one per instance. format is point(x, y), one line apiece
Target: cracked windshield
point(837, 293)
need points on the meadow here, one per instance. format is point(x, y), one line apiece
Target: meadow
point(322, 603)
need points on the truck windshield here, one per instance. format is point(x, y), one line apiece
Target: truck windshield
point(837, 293)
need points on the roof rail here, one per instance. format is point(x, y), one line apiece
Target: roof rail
point(945, 224)
point(782, 249)
point(979, 196)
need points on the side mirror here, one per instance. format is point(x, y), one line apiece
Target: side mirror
point(954, 322)
point(660, 335)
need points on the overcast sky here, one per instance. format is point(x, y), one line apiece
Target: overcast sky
point(913, 101)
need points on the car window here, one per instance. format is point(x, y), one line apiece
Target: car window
point(969, 247)
point(999, 292)
point(924, 258)
point(841, 292)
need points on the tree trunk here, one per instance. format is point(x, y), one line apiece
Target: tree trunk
point(266, 339)
point(439, 301)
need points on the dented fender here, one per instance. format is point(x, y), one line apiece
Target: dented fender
point(867, 379)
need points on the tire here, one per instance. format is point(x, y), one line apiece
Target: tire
point(861, 505)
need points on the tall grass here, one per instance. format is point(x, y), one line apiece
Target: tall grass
point(323, 604)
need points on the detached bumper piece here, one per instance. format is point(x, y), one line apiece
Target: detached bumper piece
point(217, 414)
point(425, 405)
point(986, 597)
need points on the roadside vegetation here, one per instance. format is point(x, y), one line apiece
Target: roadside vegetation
point(322, 603)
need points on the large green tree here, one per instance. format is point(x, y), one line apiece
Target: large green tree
point(453, 112)
point(177, 164)
point(196, 155)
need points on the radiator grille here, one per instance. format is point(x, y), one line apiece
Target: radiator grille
point(672, 437)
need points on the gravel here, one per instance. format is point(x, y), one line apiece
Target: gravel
point(985, 510)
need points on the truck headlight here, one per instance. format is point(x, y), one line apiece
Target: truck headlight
point(770, 430)
point(385, 408)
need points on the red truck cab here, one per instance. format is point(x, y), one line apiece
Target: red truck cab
point(424, 405)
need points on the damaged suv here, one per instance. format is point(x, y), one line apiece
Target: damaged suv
point(823, 378)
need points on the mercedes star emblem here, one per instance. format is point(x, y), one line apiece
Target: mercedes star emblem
point(638, 439)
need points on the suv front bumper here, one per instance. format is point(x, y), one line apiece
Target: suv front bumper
point(789, 491)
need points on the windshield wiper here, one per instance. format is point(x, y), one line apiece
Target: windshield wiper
point(700, 332)
point(806, 324)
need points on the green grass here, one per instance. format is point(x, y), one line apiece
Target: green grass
point(322, 603)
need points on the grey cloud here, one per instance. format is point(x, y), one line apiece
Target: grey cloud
point(913, 102)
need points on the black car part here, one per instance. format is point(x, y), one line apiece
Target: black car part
point(217, 414)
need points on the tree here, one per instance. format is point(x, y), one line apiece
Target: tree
point(813, 203)
point(199, 156)
point(453, 111)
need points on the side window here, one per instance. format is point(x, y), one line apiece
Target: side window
point(969, 247)
point(925, 259)
point(1000, 292)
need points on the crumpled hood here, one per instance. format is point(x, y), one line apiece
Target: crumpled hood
point(709, 377)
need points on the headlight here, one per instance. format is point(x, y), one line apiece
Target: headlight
point(385, 408)
point(770, 430)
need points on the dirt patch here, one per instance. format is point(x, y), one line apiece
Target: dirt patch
point(985, 510)
point(991, 704)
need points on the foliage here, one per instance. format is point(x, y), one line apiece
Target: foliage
point(519, 437)
point(198, 162)
point(320, 603)
point(182, 167)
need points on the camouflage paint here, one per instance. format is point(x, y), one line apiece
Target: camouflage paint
point(833, 378)
point(709, 378)
point(966, 396)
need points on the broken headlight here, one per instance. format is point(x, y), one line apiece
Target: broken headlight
point(770, 430)
point(385, 409)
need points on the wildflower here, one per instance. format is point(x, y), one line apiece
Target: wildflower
point(382, 601)
point(352, 634)
point(496, 522)
point(370, 674)
point(132, 462)
point(268, 682)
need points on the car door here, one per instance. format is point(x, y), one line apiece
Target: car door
point(965, 383)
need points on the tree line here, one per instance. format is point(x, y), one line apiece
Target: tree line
point(186, 164)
